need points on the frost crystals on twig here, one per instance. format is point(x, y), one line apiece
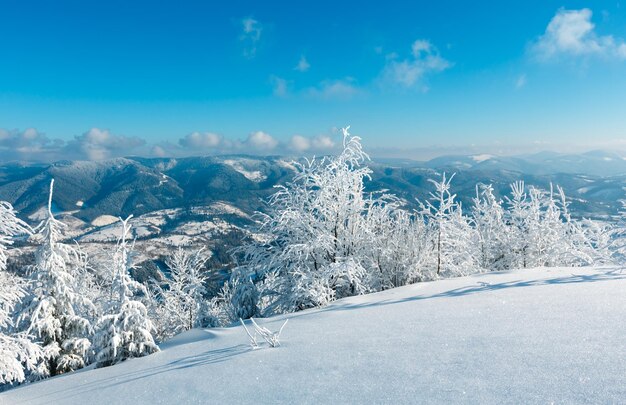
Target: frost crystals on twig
point(272, 338)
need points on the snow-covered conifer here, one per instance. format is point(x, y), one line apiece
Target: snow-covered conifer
point(18, 354)
point(126, 330)
point(10, 226)
point(52, 315)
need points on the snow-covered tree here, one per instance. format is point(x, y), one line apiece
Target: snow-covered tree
point(618, 234)
point(582, 242)
point(489, 219)
point(528, 239)
point(315, 223)
point(126, 330)
point(242, 296)
point(18, 354)
point(453, 239)
point(519, 224)
point(237, 299)
point(187, 289)
point(543, 233)
point(10, 226)
point(597, 239)
point(403, 249)
point(52, 314)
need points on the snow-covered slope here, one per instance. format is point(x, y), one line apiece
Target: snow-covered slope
point(527, 336)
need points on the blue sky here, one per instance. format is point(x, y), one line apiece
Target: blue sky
point(93, 80)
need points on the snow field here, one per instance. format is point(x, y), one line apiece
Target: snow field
point(524, 336)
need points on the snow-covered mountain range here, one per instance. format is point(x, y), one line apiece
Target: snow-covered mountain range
point(123, 186)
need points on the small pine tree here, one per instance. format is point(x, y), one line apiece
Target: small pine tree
point(126, 331)
point(18, 354)
point(52, 314)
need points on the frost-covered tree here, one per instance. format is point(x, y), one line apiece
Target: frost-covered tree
point(314, 224)
point(521, 224)
point(549, 246)
point(618, 234)
point(126, 330)
point(543, 233)
point(453, 239)
point(398, 248)
point(10, 226)
point(596, 241)
point(586, 241)
point(538, 229)
point(53, 314)
point(489, 219)
point(237, 299)
point(187, 288)
point(241, 296)
point(18, 354)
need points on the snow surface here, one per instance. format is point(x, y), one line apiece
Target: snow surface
point(526, 336)
point(104, 220)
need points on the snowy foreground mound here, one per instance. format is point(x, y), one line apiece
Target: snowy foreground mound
point(526, 336)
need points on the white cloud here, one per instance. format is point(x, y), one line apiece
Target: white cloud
point(335, 89)
point(410, 72)
point(521, 81)
point(250, 36)
point(158, 151)
point(420, 46)
point(201, 140)
point(95, 144)
point(299, 143)
point(99, 144)
point(321, 143)
point(280, 86)
point(260, 141)
point(28, 141)
point(571, 33)
point(303, 65)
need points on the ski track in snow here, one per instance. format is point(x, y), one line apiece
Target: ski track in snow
point(526, 336)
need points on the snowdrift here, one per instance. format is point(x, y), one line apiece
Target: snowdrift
point(525, 336)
